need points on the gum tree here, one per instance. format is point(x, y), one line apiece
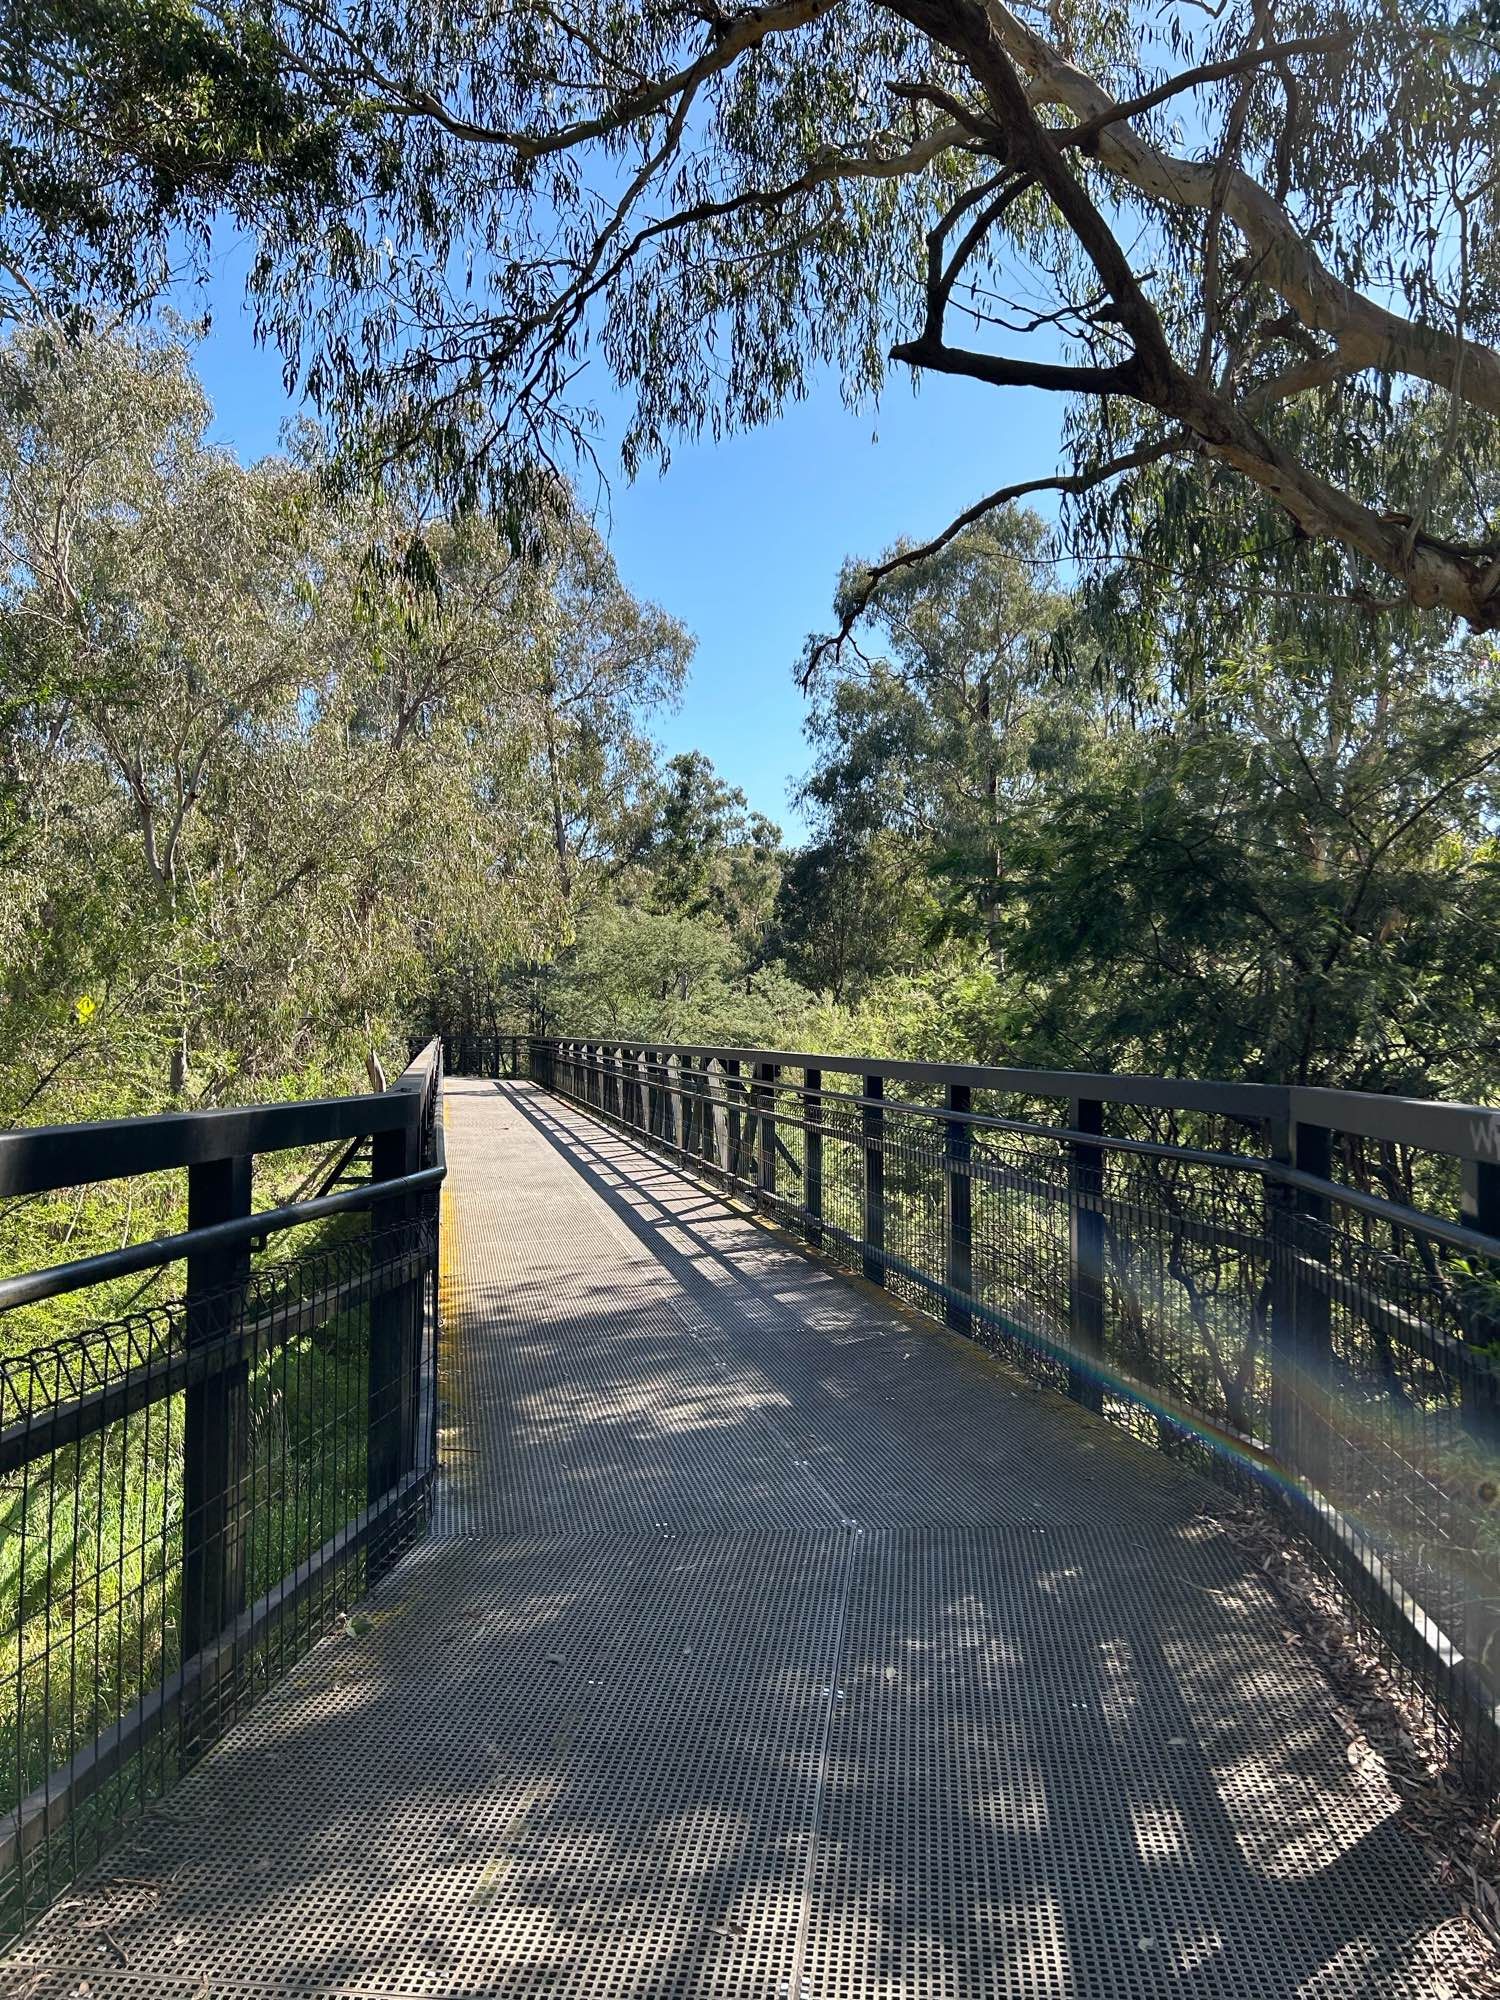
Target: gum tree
point(1243, 241)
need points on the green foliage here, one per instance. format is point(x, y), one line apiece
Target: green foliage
point(705, 853)
point(1287, 870)
point(1286, 249)
point(270, 757)
point(670, 976)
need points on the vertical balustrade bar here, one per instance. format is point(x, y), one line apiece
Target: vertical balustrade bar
point(393, 1326)
point(216, 1414)
point(691, 1109)
point(1281, 1231)
point(872, 1130)
point(958, 1151)
point(812, 1166)
point(764, 1100)
point(733, 1118)
point(702, 1111)
point(718, 1116)
point(1301, 1308)
point(1480, 1197)
point(1085, 1255)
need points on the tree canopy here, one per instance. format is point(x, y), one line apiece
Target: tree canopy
point(1200, 774)
point(287, 771)
point(1244, 241)
point(275, 763)
point(1291, 874)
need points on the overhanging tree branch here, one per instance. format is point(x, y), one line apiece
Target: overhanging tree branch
point(1084, 481)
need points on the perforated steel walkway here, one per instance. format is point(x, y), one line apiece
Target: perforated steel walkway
point(768, 1647)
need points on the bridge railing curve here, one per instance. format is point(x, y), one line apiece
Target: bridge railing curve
point(196, 1491)
point(1297, 1290)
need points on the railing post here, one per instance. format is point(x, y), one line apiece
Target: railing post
point(672, 1106)
point(732, 1117)
point(872, 1124)
point(1086, 1255)
point(718, 1116)
point(958, 1150)
point(1480, 1209)
point(765, 1136)
point(688, 1098)
point(216, 1413)
point(1301, 1308)
point(1480, 1196)
point(708, 1141)
point(812, 1154)
point(393, 1329)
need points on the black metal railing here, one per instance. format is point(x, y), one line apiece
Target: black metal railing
point(195, 1492)
point(1297, 1290)
point(483, 1052)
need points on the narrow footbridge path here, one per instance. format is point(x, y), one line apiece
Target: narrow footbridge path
point(771, 1647)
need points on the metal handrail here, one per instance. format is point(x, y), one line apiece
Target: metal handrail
point(200, 1136)
point(1465, 1131)
point(31, 1286)
point(1397, 1215)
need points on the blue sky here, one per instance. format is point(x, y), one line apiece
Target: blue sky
point(743, 540)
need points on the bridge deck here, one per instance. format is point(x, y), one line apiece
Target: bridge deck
point(768, 1645)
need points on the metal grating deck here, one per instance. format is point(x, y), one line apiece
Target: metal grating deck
point(768, 1648)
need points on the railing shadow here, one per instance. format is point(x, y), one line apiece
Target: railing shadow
point(682, 1719)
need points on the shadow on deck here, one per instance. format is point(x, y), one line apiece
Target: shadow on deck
point(767, 1645)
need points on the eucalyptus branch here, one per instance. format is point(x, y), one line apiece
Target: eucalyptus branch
point(866, 591)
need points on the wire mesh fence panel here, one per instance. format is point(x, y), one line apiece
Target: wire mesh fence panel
point(1020, 1248)
point(1399, 1430)
point(143, 1606)
point(1186, 1273)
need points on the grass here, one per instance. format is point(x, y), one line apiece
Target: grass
point(92, 1533)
